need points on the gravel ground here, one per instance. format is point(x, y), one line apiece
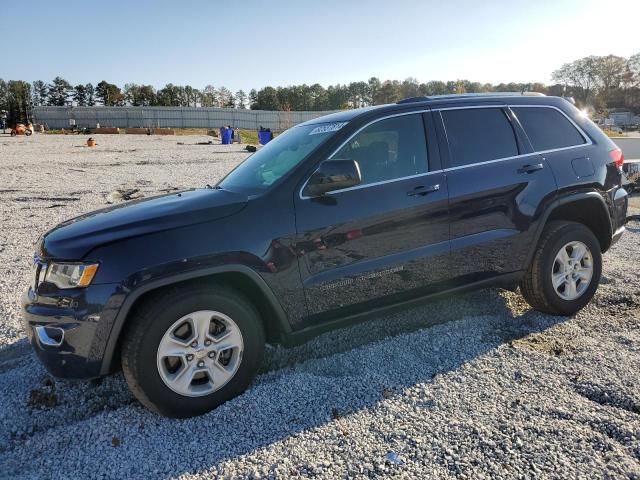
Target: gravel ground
point(496, 391)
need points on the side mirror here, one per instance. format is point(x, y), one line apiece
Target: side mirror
point(333, 175)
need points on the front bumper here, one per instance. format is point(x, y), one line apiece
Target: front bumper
point(69, 329)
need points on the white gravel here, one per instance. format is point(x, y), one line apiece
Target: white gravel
point(496, 391)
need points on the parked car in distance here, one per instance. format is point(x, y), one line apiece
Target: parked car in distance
point(339, 218)
point(631, 170)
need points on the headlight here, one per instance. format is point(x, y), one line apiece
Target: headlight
point(71, 275)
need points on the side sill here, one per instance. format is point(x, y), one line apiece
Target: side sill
point(506, 281)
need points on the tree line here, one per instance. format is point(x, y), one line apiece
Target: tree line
point(603, 83)
point(600, 83)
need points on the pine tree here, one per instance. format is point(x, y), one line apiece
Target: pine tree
point(241, 99)
point(253, 98)
point(80, 95)
point(39, 93)
point(90, 95)
point(58, 92)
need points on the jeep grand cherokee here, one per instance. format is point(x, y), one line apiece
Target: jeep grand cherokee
point(338, 218)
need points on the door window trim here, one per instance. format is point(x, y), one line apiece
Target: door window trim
point(587, 139)
point(375, 184)
point(588, 142)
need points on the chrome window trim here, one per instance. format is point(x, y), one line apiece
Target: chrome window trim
point(487, 162)
point(587, 139)
point(374, 184)
point(376, 120)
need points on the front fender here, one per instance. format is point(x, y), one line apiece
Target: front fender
point(133, 295)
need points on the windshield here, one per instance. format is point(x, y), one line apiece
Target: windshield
point(262, 169)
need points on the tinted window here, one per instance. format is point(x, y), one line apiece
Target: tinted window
point(389, 149)
point(547, 128)
point(477, 135)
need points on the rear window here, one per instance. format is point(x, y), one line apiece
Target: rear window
point(547, 128)
point(478, 135)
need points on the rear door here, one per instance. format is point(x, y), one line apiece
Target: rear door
point(496, 187)
point(384, 240)
point(565, 147)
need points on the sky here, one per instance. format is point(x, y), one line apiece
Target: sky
point(244, 44)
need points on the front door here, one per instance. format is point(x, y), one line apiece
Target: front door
point(385, 240)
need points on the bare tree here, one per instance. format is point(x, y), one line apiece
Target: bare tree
point(583, 73)
point(612, 72)
point(634, 68)
point(209, 96)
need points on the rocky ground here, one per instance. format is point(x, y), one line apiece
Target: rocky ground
point(494, 389)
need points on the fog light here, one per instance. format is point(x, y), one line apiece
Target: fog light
point(50, 336)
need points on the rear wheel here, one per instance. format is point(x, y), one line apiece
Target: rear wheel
point(565, 271)
point(188, 351)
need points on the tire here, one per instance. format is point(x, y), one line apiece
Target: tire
point(537, 286)
point(150, 375)
point(28, 132)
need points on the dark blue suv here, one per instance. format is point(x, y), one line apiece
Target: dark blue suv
point(338, 218)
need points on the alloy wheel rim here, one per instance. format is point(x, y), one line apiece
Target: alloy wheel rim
point(199, 353)
point(572, 270)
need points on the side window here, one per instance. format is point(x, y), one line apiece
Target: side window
point(547, 128)
point(478, 135)
point(388, 149)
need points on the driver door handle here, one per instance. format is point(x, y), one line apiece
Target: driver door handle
point(423, 190)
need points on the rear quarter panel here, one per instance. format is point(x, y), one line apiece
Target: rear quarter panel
point(589, 168)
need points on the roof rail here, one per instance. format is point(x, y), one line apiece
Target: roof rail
point(413, 99)
point(471, 95)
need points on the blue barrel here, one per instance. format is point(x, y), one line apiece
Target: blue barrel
point(264, 137)
point(225, 136)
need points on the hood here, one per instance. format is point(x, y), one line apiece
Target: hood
point(73, 239)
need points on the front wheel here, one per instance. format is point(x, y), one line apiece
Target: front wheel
point(565, 270)
point(189, 350)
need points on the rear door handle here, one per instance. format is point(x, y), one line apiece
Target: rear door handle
point(423, 190)
point(531, 168)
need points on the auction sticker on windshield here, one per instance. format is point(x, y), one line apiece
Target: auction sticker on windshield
point(329, 127)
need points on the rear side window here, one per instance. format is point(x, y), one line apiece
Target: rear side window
point(547, 128)
point(478, 135)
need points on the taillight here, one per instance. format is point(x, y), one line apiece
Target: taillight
point(617, 156)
